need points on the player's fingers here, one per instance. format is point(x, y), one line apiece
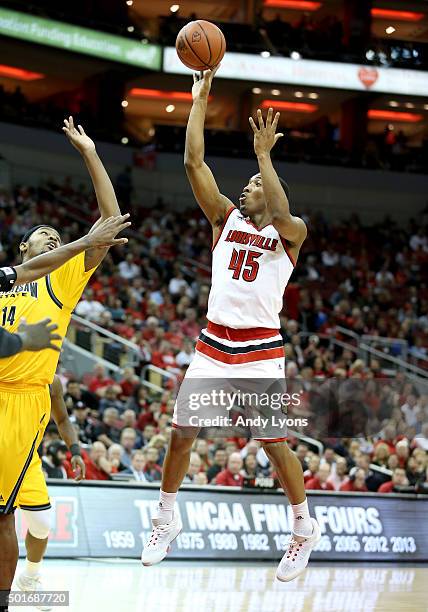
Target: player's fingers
point(260, 118)
point(253, 125)
point(195, 77)
point(45, 321)
point(66, 123)
point(277, 137)
point(54, 347)
point(123, 226)
point(118, 241)
point(214, 70)
point(52, 327)
point(275, 121)
point(269, 117)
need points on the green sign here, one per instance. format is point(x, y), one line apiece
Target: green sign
point(80, 40)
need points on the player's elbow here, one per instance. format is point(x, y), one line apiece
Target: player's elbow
point(192, 163)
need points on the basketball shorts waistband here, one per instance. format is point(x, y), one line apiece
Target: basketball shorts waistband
point(237, 346)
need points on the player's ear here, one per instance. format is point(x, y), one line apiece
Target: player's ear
point(23, 248)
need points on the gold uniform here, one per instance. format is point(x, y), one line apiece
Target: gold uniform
point(24, 382)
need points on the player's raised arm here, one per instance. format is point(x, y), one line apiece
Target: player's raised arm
point(100, 237)
point(204, 186)
point(291, 228)
point(65, 428)
point(104, 191)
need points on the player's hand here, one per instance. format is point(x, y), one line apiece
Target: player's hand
point(265, 136)
point(202, 83)
point(104, 233)
point(38, 336)
point(77, 137)
point(79, 468)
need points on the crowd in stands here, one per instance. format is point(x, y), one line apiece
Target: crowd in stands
point(368, 279)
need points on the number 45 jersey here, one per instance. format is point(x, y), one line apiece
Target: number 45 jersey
point(250, 271)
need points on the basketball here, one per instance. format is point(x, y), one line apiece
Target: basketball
point(200, 45)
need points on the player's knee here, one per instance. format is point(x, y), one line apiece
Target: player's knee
point(39, 522)
point(181, 442)
point(7, 522)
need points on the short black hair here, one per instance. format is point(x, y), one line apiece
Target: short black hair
point(31, 231)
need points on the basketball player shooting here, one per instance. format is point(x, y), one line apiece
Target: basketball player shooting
point(242, 337)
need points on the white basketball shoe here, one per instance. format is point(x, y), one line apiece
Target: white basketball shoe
point(31, 584)
point(158, 545)
point(297, 554)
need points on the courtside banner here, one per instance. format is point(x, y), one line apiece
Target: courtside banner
point(113, 520)
point(337, 75)
point(80, 40)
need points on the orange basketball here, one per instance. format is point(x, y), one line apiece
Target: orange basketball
point(200, 45)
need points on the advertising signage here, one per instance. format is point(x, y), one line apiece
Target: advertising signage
point(80, 40)
point(114, 521)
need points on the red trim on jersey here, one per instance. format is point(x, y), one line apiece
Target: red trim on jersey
point(290, 257)
point(241, 335)
point(231, 209)
point(275, 353)
point(259, 229)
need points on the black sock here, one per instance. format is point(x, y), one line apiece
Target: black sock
point(4, 594)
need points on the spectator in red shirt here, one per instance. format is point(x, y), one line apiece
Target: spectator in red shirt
point(152, 471)
point(402, 448)
point(399, 478)
point(189, 325)
point(313, 465)
point(231, 477)
point(388, 438)
point(98, 467)
point(128, 383)
point(99, 381)
point(320, 481)
point(356, 481)
point(164, 358)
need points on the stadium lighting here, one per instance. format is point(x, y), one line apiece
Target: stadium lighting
point(129, 2)
point(313, 95)
point(170, 108)
point(293, 5)
point(265, 54)
point(384, 115)
point(124, 103)
point(19, 74)
point(174, 8)
point(425, 106)
point(293, 107)
point(256, 90)
point(158, 94)
point(275, 92)
point(370, 55)
point(131, 28)
point(409, 105)
point(295, 55)
point(151, 132)
point(298, 94)
point(124, 140)
point(390, 30)
point(393, 103)
point(392, 14)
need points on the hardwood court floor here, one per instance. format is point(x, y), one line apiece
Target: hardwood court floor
point(116, 585)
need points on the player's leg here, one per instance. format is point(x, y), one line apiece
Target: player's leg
point(36, 510)
point(8, 556)
point(306, 532)
point(167, 523)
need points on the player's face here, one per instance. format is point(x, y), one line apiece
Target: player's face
point(252, 200)
point(43, 240)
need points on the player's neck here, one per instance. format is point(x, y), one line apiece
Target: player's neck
point(260, 219)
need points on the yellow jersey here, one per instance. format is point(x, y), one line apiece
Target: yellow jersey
point(54, 296)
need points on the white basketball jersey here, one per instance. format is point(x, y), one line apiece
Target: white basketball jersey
point(250, 271)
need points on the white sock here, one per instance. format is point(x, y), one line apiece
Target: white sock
point(32, 569)
point(302, 524)
point(166, 506)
